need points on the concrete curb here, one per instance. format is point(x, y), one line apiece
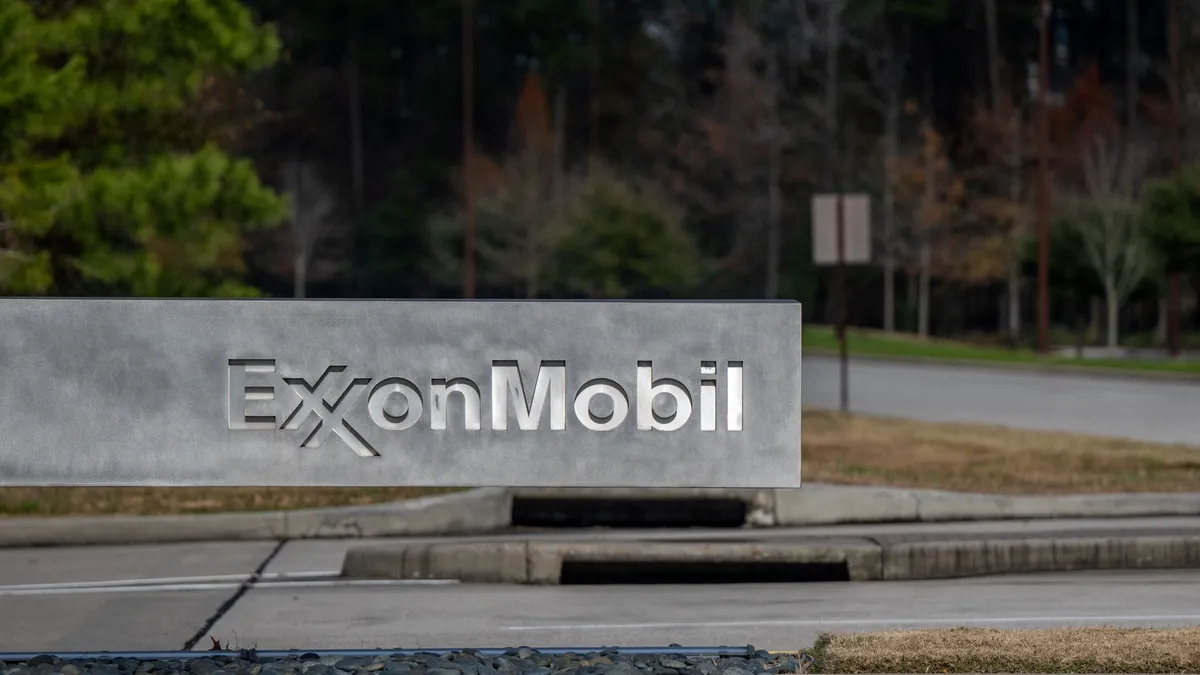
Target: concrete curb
point(825, 504)
point(489, 510)
point(828, 504)
point(471, 512)
point(1016, 367)
point(541, 562)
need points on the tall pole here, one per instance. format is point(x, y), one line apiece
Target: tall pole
point(844, 359)
point(835, 156)
point(1174, 299)
point(1043, 182)
point(468, 128)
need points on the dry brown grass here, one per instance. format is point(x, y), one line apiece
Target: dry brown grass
point(57, 501)
point(973, 458)
point(985, 650)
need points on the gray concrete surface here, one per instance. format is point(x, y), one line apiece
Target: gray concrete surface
point(52, 616)
point(142, 611)
point(479, 510)
point(821, 504)
point(767, 616)
point(1157, 411)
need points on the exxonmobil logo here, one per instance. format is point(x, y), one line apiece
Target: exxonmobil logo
point(398, 403)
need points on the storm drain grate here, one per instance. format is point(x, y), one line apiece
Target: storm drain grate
point(628, 513)
point(587, 572)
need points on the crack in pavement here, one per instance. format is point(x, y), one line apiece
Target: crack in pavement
point(237, 595)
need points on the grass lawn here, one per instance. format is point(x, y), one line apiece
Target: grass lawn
point(985, 650)
point(877, 343)
point(854, 450)
point(863, 450)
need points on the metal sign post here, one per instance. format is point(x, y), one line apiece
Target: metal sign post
point(841, 235)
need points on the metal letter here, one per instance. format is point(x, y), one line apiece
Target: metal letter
point(506, 381)
point(377, 402)
point(439, 393)
point(733, 401)
point(648, 389)
point(240, 393)
point(708, 397)
point(312, 401)
point(601, 387)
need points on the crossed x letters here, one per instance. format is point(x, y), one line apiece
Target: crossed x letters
point(332, 416)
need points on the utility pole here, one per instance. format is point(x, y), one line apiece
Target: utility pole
point(468, 128)
point(835, 155)
point(1043, 181)
point(1174, 299)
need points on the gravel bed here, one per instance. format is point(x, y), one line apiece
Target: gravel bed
point(522, 661)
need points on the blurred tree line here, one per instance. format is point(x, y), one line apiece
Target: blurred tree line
point(666, 148)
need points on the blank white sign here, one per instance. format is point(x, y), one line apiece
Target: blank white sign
point(856, 217)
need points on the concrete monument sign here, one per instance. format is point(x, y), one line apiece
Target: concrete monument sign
point(436, 393)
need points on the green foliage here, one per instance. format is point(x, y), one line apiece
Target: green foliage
point(135, 207)
point(625, 241)
point(1172, 219)
point(1072, 279)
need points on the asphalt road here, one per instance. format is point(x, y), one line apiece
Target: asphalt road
point(1150, 410)
point(160, 597)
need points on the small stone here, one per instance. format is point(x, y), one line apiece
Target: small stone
point(330, 659)
point(40, 659)
point(444, 671)
point(541, 670)
point(524, 653)
point(310, 656)
point(371, 668)
point(672, 663)
point(203, 666)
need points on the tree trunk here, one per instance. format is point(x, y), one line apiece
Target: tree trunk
point(356, 134)
point(1174, 307)
point(300, 273)
point(993, 47)
point(1160, 324)
point(1097, 308)
point(1014, 300)
point(911, 297)
point(560, 143)
point(774, 217)
point(923, 299)
point(891, 141)
point(1113, 315)
point(1132, 59)
point(1014, 262)
point(594, 86)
